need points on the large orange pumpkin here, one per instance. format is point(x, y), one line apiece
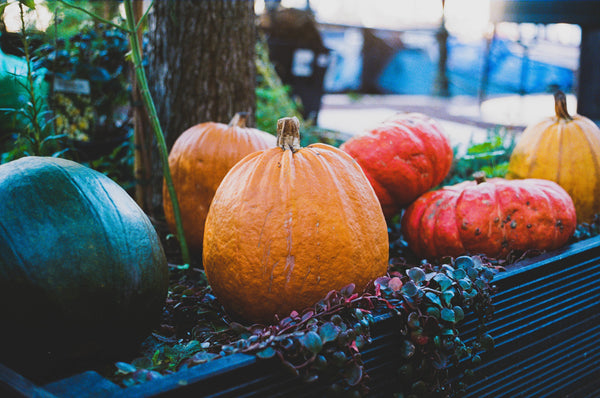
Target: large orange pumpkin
point(403, 157)
point(289, 224)
point(492, 217)
point(199, 159)
point(564, 149)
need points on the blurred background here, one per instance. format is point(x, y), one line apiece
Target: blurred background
point(487, 61)
point(474, 65)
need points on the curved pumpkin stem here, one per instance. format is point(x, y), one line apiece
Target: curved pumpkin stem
point(560, 106)
point(479, 177)
point(288, 133)
point(239, 120)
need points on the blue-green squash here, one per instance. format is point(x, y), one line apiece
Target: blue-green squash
point(82, 269)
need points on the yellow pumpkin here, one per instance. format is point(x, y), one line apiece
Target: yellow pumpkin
point(564, 149)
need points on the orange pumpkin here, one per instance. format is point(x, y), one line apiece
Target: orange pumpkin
point(199, 159)
point(289, 224)
point(492, 217)
point(403, 157)
point(564, 149)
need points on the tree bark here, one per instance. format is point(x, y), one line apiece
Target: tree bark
point(200, 66)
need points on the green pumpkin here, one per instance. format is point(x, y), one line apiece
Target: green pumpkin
point(82, 270)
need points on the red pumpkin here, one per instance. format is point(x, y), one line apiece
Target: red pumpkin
point(403, 157)
point(492, 217)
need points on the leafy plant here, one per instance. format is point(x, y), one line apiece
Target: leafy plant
point(490, 156)
point(273, 100)
point(432, 302)
point(97, 55)
point(36, 135)
point(324, 343)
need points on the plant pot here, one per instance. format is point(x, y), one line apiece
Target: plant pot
point(546, 327)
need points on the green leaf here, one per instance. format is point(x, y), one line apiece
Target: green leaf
point(488, 274)
point(203, 356)
point(464, 262)
point(443, 281)
point(434, 312)
point(447, 297)
point(459, 314)
point(28, 3)
point(416, 274)
point(328, 332)
point(447, 332)
point(465, 284)
point(125, 368)
point(433, 298)
point(410, 289)
point(459, 274)
point(312, 342)
point(413, 320)
point(448, 315)
point(353, 374)
point(487, 342)
point(472, 273)
point(266, 353)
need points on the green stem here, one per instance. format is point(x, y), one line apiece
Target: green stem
point(37, 131)
point(160, 138)
point(139, 23)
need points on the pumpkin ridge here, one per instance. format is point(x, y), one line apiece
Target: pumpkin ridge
point(91, 206)
point(596, 195)
point(560, 132)
point(501, 216)
point(552, 206)
point(425, 125)
point(540, 137)
point(329, 173)
point(291, 210)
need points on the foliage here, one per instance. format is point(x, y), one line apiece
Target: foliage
point(490, 156)
point(433, 300)
point(67, 21)
point(586, 230)
point(96, 54)
point(324, 343)
point(36, 137)
point(273, 100)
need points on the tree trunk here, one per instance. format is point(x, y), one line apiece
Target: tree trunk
point(201, 68)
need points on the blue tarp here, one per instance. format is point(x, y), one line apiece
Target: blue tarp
point(413, 70)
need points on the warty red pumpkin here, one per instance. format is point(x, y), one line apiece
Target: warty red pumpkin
point(491, 217)
point(403, 157)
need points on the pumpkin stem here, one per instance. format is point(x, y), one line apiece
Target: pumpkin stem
point(560, 106)
point(239, 120)
point(479, 177)
point(288, 133)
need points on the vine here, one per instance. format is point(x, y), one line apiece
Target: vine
point(324, 343)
